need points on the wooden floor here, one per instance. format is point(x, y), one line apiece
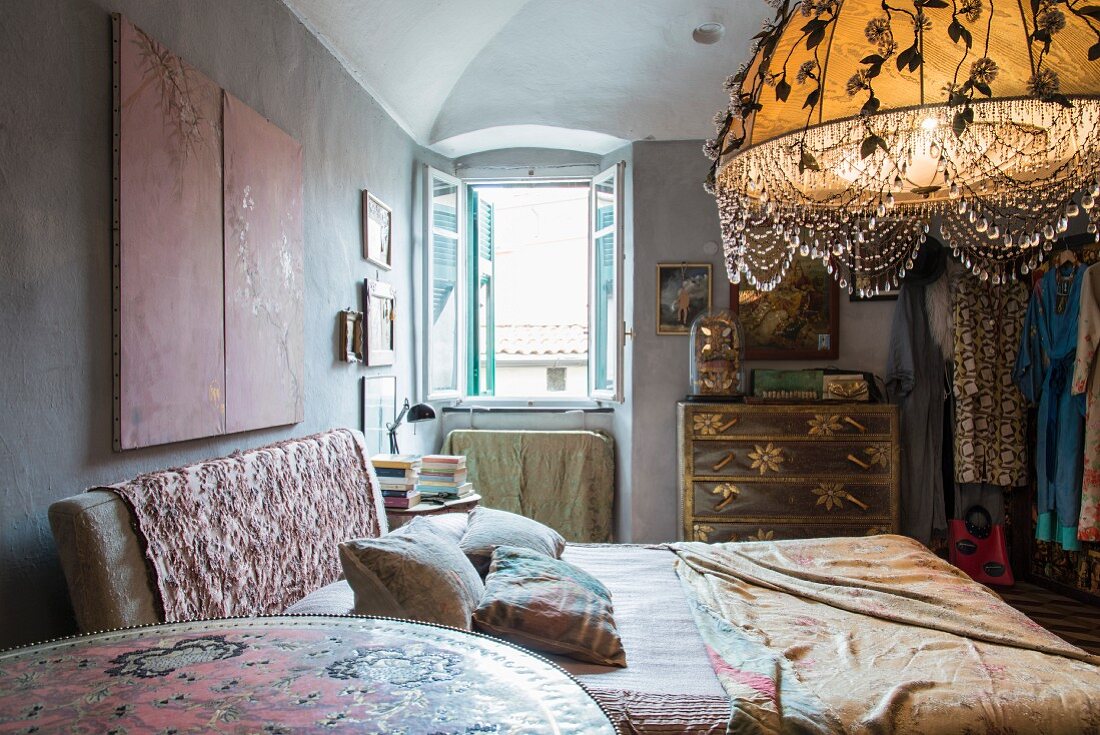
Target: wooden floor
point(1074, 621)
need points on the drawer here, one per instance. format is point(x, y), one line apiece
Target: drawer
point(817, 422)
point(849, 459)
point(813, 499)
point(721, 532)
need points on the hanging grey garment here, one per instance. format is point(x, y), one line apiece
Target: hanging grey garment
point(915, 376)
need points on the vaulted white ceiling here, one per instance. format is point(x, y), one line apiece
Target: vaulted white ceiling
point(463, 76)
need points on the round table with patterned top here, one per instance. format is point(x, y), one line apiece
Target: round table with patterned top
point(286, 674)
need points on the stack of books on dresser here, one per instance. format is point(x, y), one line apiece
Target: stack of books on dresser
point(443, 477)
point(397, 477)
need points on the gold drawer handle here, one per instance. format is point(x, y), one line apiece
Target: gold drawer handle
point(852, 422)
point(723, 462)
point(727, 426)
point(728, 493)
point(858, 503)
point(858, 462)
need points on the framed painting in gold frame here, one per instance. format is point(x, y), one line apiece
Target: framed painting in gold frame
point(799, 320)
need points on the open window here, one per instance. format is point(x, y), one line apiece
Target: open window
point(526, 280)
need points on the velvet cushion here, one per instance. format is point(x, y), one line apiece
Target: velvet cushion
point(488, 528)
point(549, 605)
point(415, 572)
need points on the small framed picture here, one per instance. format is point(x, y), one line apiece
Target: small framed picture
point(799, 320)
point(377, 231)
point(379, 409)
point(380, 300)
point(683, 293)
point(351, 335)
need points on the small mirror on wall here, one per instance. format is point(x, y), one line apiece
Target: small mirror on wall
point(380, 301)
point(377, 232)
point(351, 335)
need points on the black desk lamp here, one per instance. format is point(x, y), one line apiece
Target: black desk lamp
point(409, 414)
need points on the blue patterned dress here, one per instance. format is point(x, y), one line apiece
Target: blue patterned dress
point(1044, 372)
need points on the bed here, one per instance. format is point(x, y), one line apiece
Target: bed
point(844, 635)
point(851, 635)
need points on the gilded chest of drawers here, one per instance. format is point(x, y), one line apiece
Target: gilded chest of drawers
point(760, 472)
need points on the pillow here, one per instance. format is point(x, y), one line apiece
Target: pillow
point(488, 529)
point(550, 605)
point(414, 572)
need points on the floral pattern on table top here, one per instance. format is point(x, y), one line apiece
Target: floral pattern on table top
point(290, 674)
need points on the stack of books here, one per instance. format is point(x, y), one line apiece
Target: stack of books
point(443, 477)
point(397, 476)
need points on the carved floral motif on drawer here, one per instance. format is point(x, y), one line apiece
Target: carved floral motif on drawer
point(752, 472)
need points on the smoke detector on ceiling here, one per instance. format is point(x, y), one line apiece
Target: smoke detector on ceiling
point(708, 33)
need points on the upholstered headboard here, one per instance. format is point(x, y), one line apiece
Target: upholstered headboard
point(247, 534)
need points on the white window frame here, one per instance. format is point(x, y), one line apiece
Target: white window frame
point(430, 175)
point(617, 320)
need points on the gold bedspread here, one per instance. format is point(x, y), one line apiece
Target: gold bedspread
point(876, 635)
point(565, 479)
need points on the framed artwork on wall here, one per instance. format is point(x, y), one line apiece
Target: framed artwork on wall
point(351, 335)
point(799, 320)
point(207, 272)
point(379, 403)
point(379, 330)
point(377, 231)
point(683, 293)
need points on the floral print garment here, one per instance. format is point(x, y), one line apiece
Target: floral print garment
point(873, 635)
point(1086, 379)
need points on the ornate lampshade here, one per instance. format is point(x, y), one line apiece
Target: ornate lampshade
point(859, 124)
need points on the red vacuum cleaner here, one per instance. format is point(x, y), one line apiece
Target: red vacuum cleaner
point(978, 547)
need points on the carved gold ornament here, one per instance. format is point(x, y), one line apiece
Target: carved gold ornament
point(824, 425)
point(766, 459)
point(706, 424)
point(878, 455)
point(728, 492)
point(832, 494)
point(702, 532)
point(761, 535)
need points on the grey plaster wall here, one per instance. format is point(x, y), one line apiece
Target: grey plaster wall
point(55, 179)
point(673, 219)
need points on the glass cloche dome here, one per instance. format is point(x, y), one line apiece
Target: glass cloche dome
point(717, 355)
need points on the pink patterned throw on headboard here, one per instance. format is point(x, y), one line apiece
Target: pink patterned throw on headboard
point(254, 532)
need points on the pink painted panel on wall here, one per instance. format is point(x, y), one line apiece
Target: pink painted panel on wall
point(169, 318)
point(264, 346)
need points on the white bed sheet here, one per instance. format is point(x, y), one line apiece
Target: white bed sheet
point(664, 652)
